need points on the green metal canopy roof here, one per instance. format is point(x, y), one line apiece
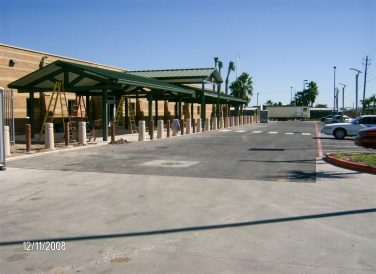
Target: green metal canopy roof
point(182, 76)
point(92, 80)
point(83, 78)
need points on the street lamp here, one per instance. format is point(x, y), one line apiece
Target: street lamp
point(356, 89)
point(257, 99)
point(334, 89)
point(343, 97)
point(291, 95)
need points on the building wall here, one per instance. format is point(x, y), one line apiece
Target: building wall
point(27, 61)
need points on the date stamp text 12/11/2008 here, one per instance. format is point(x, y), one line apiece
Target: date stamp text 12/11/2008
point(44, 246)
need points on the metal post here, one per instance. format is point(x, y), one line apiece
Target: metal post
point(28, 137)
point(66, 134)
point(168, 128)
point(191, 111)
point(182, 127)
point(112, 133)
point(151, 129)
point(88, 109)
point(203, 110)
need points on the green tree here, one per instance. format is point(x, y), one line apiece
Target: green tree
point(242, 87)
point(308, 96)
point(231, 67)
point(269, 103)
point(321, 106)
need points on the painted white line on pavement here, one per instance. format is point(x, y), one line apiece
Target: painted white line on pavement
point(304, 133)
point(289, 133)
point(225, 130)
point(240, 131)
point(272, 132)
point(256, 131)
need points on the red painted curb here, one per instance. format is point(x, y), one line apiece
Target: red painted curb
point(349, 165)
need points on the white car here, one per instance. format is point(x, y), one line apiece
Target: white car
point(341, 130)
point(338, 119)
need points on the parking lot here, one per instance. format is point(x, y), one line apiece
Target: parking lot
point(246, 199)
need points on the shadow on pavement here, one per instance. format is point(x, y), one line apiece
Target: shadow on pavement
point(194, 228)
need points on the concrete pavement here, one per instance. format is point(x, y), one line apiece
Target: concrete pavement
point(104, 207)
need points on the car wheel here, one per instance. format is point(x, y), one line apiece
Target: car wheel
point(339, 133)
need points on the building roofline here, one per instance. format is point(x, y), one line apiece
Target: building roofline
point(60, 56)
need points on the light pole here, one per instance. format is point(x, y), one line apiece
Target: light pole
point(334, 90)
point(356, 90)
point(343, 97)
point(290, 95)
point(336, 100)
point(257, 98)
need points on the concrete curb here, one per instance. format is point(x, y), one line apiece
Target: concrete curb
point(349, 165)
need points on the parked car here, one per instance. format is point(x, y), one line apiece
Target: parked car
point(341, 130)
point(323, 119)
point(366, 137)
point(339, 118)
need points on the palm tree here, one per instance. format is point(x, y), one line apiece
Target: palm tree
point(373, 100)
point(231, 67)
point(242, 88)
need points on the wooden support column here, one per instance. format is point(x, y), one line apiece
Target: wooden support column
point(126, 111)
point(192, 112)
point(179, 108)
point(203, 108)
point(88, 115)
point(156, 110)
point(150, 107)
point(32, 115)
point(104, 115)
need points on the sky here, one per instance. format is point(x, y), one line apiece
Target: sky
point(281, 43)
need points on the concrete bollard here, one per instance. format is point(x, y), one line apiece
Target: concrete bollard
point(232, 121)
point(240, 120)
point(28, 138)
point(6, 141)
point(221, 122)
point(160, 130)
point(82, 133)
point(199, 125)
point(189, 126)
point(227, 122)
point(214, 122)
point(207, 124)
point(141, 131)
point(251, 119)
point(49, 140)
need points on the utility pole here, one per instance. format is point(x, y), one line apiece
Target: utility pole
point(334, 89)
point(356, 90)
point(365, 81)
point(343, 97)
point(257, 98)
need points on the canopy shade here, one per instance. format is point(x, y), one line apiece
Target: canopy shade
point(182, 76)
point(91, 80)
point(87, 79)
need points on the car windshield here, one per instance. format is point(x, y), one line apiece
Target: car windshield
point(356, 120)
